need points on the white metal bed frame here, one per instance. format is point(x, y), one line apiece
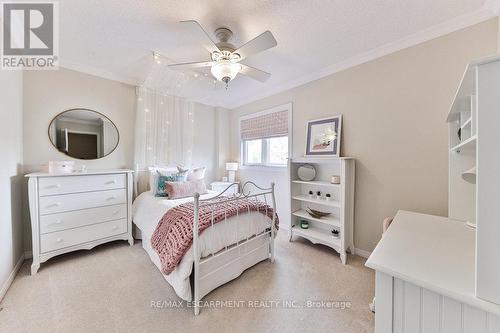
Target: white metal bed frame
point(229, 263)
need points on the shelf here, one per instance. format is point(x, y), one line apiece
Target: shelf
point(467, 123)
point(315, 183)
point(330, 220)
point(306, 198)
point(466, 89)
point(469, 144)
point(317, 234)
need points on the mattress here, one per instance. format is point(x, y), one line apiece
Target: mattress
point(147, 210)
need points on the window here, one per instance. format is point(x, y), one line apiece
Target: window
point(254, 151)
point(264, 137)
point(272, 151)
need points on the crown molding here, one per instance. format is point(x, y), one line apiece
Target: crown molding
point(483, 14)
point(86, 69)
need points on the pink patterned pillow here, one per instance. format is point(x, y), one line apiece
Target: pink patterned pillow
point(176, 190)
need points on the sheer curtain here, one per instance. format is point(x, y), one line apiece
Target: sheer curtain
point(164, 129)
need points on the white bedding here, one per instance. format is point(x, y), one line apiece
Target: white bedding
point(147, 210)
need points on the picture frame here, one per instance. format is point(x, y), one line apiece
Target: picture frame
point(324, 136)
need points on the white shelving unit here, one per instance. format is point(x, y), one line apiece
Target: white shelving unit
point(341, 204)
point(475, 111)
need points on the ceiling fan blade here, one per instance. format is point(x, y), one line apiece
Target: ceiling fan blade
point(254, 73)
point(191, 65)
point(260, 43)
point(201, 35)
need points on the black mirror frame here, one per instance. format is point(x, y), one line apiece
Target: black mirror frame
point(85, 109)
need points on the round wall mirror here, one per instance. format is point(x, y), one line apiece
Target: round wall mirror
point(83, 134)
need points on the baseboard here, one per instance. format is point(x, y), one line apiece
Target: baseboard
point(362, 253)
point(12, 275)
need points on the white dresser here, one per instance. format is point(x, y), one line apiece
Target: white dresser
point(78, 211)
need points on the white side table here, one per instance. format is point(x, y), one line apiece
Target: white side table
point(219, 187)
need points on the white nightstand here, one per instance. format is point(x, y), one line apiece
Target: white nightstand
point(221, 186)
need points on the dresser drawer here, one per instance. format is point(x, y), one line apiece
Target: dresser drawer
point(61, 239)
point(67, 202)
point(81, 183)
point(78, 218)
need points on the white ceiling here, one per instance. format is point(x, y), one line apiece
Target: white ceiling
point(115, 38)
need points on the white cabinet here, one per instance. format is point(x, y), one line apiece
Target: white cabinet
point(78, 211)
point(336, 199)
point(475, 113)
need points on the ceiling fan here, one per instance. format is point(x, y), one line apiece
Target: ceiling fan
point(225, 58)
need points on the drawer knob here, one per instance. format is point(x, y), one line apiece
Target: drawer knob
point(56, 222)
point(59, 240)
point(55, 204)
point(115, 227)
point(113, 197)
point(111, 182)
point(115, 212)
point(54, 186)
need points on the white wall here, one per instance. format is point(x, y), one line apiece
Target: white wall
point(394, 124)
point(47, 93)
point(204, 141)
point(222, 135)
point(11, 174)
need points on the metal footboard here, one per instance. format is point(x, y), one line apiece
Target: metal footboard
point(244, 248)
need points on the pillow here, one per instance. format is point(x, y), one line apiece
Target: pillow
point(161, 180)
point(177, 190)
point(153, 175)
point(193, 174)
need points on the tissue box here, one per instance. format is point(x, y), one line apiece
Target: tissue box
point(59, 167)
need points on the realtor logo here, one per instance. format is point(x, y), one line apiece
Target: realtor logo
point(29, 36)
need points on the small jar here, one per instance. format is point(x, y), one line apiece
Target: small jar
point(335, 180)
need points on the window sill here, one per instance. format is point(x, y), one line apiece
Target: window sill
point(264, 167)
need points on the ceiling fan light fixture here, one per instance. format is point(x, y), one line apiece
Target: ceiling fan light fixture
point(225, 70)
point(225, 57)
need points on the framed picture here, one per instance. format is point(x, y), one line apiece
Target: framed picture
point(323, 136)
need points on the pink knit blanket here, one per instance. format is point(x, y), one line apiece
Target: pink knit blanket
point(174, 233)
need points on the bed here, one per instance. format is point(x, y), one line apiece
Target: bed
point(219, 254)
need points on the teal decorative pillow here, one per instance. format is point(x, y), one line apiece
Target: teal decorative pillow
point(160, 185)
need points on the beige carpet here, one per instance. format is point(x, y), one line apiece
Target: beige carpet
point(110, 289)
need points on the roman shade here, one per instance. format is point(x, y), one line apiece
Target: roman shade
point(269, 125)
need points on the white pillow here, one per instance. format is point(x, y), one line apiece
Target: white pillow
point(193, 174)
point(156, 171)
